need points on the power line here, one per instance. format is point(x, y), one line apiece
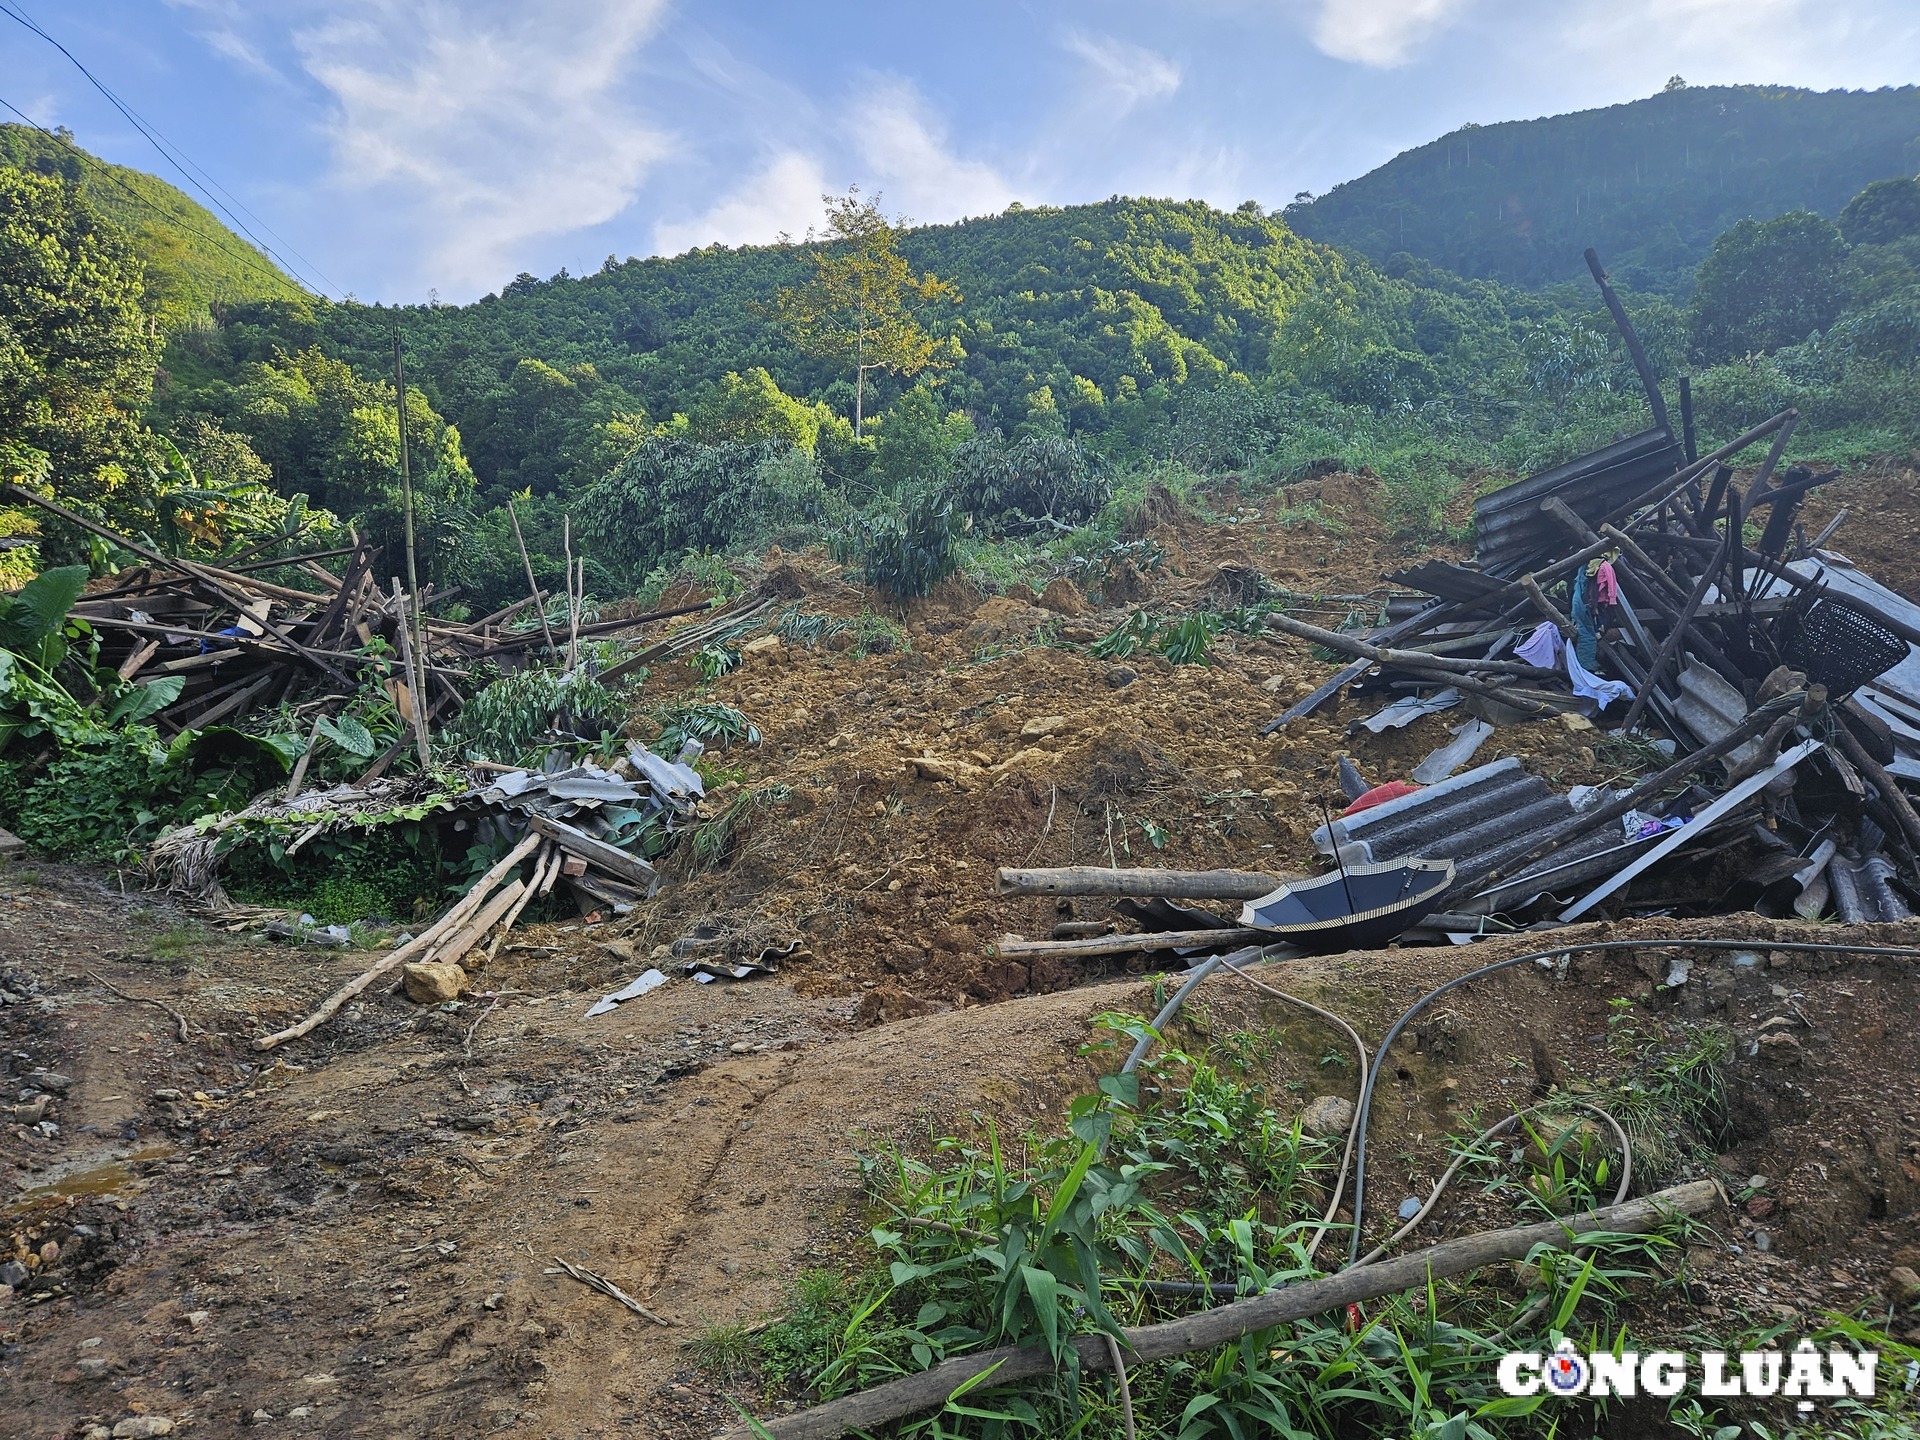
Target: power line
point(179, 163)
point(106, 173)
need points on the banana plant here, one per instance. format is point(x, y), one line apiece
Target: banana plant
point(37, 638)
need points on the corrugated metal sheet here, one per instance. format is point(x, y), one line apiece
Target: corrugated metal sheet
point(1511, 533)
point(1484, 817)
point(1449, 582)
point(1862, 890)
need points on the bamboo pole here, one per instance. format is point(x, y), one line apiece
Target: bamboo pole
point(416, 681)
point(456, 913)
point(1172, 884)
point(869, 1409)
point(532, 588)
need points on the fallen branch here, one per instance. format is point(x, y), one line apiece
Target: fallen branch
point(1225, 1323)
point(606, 1287)
point(456, 914)
point(172, 1014)
point(1171, 884)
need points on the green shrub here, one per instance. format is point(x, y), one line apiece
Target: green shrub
point(909, 545)
point(518, 718)
point(1039, 481)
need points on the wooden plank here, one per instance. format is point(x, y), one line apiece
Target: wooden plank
point(616, 862)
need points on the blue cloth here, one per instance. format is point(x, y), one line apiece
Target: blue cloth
point(1586, 619)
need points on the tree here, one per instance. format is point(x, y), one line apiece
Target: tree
point(77, 350)
point(864, 301)
point(1885, 211)
point(1765, 285)
point(918, 438)
point(753, 407)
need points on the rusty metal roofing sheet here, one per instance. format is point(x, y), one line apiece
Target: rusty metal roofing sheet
point(1510, 531)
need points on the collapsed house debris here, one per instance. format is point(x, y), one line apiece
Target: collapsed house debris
point(1636, 584)
point(229, 642)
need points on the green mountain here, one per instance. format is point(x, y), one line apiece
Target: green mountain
point(1649, 183)
point(1094, 317)
point(193, 260)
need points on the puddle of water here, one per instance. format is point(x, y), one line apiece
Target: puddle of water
point(99, 1180)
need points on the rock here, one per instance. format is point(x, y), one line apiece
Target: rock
point(1780, 1048)
point(11, 845)
point(1573, 724)
point(168, 1094)
point(761, 645)
point(1063, 597)
point(1121, 676)
point(96, 1432)
point(1909, 1256)
point(618, 949)
point(31, 1112)
point(93, 1367)
point(1125, 584)
point(1327, 1116)
point(738, 1047)
point(13, 1273)
point(199, 1319)
point(1760, 1206)
point(142, 1427)
point(433, 982)
point(1041, 728)
point(1903, 1285)
point(1758, 1182)
point(49, 1252)
point(49, 1080)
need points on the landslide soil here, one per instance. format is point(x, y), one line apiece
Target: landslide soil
point(357, 1235)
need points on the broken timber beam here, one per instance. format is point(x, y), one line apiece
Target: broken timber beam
point(614, 861)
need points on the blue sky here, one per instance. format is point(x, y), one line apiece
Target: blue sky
point(402, 147)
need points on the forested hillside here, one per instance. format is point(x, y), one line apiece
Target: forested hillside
point(192, 260)
point(670, 406)
point(1651, 182)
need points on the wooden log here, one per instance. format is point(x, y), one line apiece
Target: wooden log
point(1545, 606)
point(1142, 882)
point(455, 947)
point(1657, 667)
point(1634, 348)
point(1382, 655)
point(1018, 947)
point(613, 860)
point(1205, 1329)
point(1690, 473)
point(454, 916)
point(1890, 792)
point(1649, 569)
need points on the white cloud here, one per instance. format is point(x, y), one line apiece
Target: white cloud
point(1131, 74)
point(489, 122)
point(1381, 33)
point(904, 153)
point(784, 198)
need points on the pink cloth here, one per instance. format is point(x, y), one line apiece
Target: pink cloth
point(1606, 585)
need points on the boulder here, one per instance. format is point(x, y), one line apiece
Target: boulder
point(432, 982)
point(1327, 1116)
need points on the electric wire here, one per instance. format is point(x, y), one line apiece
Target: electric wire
point(1366, 1094)
point(105, 172)
point(179, 162)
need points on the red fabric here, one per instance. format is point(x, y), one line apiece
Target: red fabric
point(1379, 795)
